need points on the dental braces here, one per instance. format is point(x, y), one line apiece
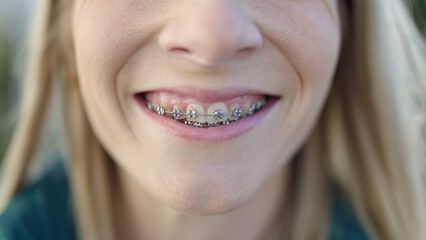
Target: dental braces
point(178, 114)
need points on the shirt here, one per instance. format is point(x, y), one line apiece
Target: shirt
point(43, 211)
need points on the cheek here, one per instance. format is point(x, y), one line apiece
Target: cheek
point(309, 38)
point(308, 34)
point(105, 38)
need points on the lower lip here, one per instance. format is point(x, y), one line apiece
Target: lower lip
point(210, 134)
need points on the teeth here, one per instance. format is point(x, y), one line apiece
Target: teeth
point(259, 104)
point(178, 113)
point(149, 105)
point(218, 112)
point(196, 113)
point(236, 112)
point(247, 107)
point(160, 110)
point(251, 110)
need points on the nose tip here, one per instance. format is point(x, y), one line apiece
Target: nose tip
point(211, 32)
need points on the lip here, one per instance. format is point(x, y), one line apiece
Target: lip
point(211, 134)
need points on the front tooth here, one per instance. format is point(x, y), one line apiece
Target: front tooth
point(218, 112)
point(198, 110)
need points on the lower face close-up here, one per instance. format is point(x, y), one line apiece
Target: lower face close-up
point(202, 102)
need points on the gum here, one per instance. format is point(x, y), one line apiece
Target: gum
point(169, 100)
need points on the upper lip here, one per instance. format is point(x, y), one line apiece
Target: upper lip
point(209, 95)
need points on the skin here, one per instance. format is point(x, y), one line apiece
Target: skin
point(172, 188)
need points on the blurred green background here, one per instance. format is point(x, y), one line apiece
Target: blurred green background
point(14, 19)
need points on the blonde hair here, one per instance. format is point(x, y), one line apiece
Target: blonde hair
point(366, 140)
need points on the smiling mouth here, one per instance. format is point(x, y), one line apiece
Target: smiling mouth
point(204, 115)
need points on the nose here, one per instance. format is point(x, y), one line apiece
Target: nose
point(210, 32)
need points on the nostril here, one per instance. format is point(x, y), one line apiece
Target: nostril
point(246, 50)
point(180, 50)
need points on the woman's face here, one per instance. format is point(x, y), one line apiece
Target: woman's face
point(206, 55)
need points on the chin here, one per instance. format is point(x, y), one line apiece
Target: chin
point(203, 193)
point(203, 205)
